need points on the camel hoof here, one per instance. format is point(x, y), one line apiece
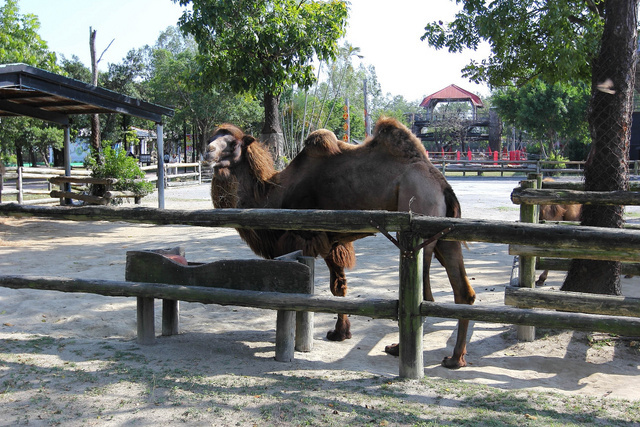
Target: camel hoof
point(338, 336)
point(451, 363)
point(393, 349)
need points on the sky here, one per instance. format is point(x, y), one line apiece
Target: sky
point(387, 33)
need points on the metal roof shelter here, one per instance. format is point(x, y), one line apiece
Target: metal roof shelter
point(451, 93)
point(30, 91)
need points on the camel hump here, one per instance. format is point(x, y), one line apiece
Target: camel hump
point(322, 143)
point(397, 139)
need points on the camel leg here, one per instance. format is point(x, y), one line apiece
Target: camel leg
point(449, 253)
point(426, 267)
point(338, 284)
point(542, 278)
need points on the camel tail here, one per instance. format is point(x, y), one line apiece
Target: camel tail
point(453, 206)
point(343, 255)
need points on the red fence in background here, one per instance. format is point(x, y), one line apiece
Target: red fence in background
point(512, 156)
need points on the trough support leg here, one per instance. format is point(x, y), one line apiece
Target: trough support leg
point(527, 270)
point(170, 317)
point(304, 319)
point(146, 317)
point(410, 296)
point(285, 332)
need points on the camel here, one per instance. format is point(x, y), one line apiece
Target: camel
point(390, 171)
point(557, 213)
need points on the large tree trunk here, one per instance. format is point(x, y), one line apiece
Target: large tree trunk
point(609, 118)
point(271, 134)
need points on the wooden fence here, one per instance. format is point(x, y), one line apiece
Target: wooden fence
point(65, 194)
point(481, 167)
point(41, 177)
point(530, 195)
point(192, 174)
point(408, 309)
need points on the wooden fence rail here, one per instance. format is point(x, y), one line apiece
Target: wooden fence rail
point(540, 166)
point(408, 309)
point(529, 195)
point(502, 166)
point(351, 221)
point(172, 175)
point(41, 174)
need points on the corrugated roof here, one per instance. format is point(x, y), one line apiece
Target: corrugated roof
point(451, 93)
point(30, 91)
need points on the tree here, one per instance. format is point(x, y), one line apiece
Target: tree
point(554, 113)
point(19, 39)
point(610, 112)
point(263, 47)
point(173, 78)
point(551, 40)
point(593, 41)
point(20, 42)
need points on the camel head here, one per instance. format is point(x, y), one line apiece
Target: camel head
point(225, 147)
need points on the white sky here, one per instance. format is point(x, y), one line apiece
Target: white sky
point(387, 33)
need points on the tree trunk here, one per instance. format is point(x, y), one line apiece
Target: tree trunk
point(609, 119)
point(95, 118)
point(19, 158)
point(271, 134)
point(32, 157)
point(495, 131)
point(58, 158)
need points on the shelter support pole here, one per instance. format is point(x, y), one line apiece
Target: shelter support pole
point(160, 181)
point(410, 296)
point(67, 160)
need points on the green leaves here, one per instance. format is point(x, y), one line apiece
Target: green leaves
point(553, 40)
point(555, 113)
point(116, 164)
point(19, 39)
point(259, 46)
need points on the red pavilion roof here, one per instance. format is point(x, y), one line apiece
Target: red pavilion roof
point(449, 94)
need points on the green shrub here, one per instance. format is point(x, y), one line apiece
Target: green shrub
point(116, 164)
point(555, 156)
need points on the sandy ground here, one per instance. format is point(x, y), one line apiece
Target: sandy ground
point(240, 341)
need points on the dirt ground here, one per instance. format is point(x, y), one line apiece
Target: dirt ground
point(57, 330)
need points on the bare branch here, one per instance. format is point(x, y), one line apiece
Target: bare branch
point(100, 58)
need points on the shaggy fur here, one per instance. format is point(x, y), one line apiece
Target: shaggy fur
point(557, 213)
point(390, 171)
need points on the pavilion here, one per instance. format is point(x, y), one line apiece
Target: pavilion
point(452, 93)
point(32, 92)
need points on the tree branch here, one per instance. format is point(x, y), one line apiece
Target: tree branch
point(100, 58)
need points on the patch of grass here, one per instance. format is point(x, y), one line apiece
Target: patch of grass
point(124, 380)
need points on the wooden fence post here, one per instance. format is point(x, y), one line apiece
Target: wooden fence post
point(170, 317)
point(410, 296)
point(146, 320)
point(304, 319)
point(527, 271)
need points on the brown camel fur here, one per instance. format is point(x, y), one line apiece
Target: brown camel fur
point(557, 213)
point(390, 171)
